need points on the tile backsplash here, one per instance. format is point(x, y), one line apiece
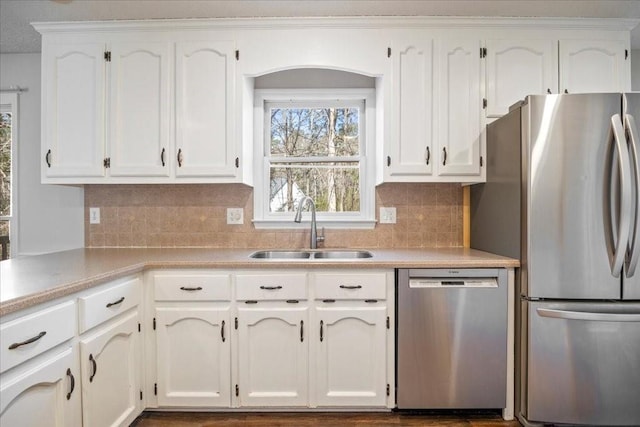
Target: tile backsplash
point(194, 215)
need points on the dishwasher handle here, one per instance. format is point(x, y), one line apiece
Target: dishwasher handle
point(453, 282)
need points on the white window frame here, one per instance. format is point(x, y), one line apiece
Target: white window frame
point(365, 219)
point(9, 104)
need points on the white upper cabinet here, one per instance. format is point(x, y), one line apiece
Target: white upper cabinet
point(139, 109)
point(517, 68)
point(594, 66)
point(459, 108)
point(73, 93)
point(410, 150)
point(204, 109)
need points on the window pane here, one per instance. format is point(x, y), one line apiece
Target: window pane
point(5, 164)
point(334, 187)
point(4, 240)
point(309, 132)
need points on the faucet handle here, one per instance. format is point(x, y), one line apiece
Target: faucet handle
point(320, 238)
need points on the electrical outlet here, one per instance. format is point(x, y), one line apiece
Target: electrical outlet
point(235, 216)
point(387, 215)
point(94, 215)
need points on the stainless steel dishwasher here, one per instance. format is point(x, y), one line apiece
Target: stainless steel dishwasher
point(451, 338)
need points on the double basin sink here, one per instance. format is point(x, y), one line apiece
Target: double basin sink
point(311, 255)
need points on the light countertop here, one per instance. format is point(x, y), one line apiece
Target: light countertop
point(27, 281)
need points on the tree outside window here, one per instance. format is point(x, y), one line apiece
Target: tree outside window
point(7, 150)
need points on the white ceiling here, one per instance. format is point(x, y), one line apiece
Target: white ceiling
point(17, 35)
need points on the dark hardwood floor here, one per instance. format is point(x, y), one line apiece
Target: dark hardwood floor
point(393, 419)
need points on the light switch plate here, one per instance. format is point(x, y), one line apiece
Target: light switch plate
point(94, 215)
point(235, 216)
point(387, 215)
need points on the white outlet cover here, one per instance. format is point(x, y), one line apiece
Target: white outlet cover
point(235, 216)
point(387, 215)
point(94, 215)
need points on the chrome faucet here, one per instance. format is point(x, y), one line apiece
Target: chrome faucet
point(314, 230)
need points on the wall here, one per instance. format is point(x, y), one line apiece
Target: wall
point(50, 218)
point(428, 215)
point(635, 70)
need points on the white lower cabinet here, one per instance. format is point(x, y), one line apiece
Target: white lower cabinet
point(110, 362)
point(351, 356)
point(193, 357)
point(273, 356)
point(46, 393)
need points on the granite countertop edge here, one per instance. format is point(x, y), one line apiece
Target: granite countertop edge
point(29, 281)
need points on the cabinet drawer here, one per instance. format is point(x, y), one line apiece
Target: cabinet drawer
point(103, 305)
point(28, 336)
point(345, 286)
point(192, 287)
point(271, 287)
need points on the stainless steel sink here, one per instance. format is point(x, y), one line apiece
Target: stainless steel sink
point(303, 254)
point(280, 255)
point(342, 254)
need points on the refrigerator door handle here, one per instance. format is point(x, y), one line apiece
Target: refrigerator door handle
point(588, 315)
point(617, 258)
point(633, 251)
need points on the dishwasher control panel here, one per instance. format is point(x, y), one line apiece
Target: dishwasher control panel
point(453, 283)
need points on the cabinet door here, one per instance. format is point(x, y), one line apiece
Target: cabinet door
point(593, 66)
point(110, 362)
point(351, 358)
point(517, 68)
point(73, 128)
point(410, 151)
point(139, 109)
point(273, 357)
point(459, 108)
point(47, 395)
point(204, 109)
point(194, 357)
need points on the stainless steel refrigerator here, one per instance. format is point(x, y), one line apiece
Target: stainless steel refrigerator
point(562, 195)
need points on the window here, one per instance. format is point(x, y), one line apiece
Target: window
point(314, 143)
point(8, 108)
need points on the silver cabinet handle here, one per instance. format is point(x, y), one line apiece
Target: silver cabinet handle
point(618, 254)
point(588, 315)
point(634, 251)
point(427, 155)
point(444, 156)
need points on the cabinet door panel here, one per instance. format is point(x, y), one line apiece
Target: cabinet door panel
point(110, 361)
point(73, 110)
point(459, 108)
point(194, 363)
point(273, 357)
point(517, 68)
point(39, 397)
point(411, 149)
point(204, 108)
point(593, 66)
point(139, 109)
point(351, 361)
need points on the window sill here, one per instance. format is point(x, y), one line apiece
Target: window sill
point(283, 224)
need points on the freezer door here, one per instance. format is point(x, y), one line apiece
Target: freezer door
point(569, 158)
point(583, 363)
point(631, 283)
